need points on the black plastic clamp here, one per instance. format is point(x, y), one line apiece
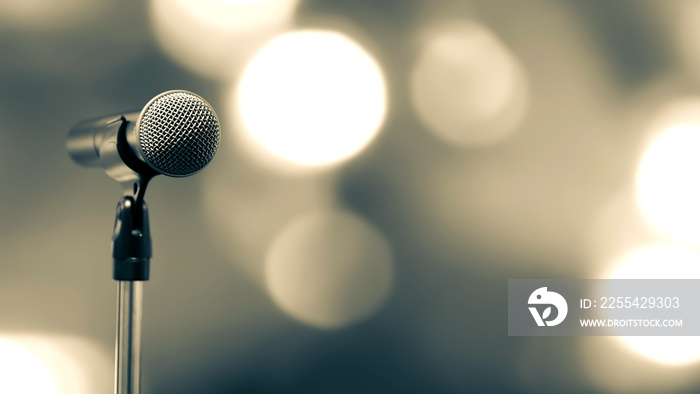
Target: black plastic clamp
point(131, 241)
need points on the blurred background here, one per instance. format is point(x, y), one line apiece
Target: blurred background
point(385, 167)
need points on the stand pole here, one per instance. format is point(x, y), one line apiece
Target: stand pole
point(128, 351)
point(131, 252)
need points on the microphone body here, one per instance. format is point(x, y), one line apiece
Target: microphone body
point(85, 138)
point(176, 134)
point(97, 143)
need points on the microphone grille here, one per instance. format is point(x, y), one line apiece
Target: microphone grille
point(179, 133)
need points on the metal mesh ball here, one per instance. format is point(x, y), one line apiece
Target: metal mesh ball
point(179, 133)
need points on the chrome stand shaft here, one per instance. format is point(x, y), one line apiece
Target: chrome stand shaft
point(128, 352)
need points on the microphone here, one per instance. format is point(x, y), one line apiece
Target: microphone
point(176, 134)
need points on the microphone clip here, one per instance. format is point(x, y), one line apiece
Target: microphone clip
point(131, 240)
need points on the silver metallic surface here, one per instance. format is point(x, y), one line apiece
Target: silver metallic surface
point(94, 142)
point(84, 142)
point(112, 162)
point(178, 133)
point(128, 352)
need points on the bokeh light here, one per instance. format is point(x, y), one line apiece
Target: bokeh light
point(615, 228)
point(466, 86)
point(667, 187)
point(42, 37)
point(216, 37)
point(329, 269)
point(661, 262)
point(243, 220)
point(686, 29)
point(613, 367)
point(311, 98)
point(47, 14)
point(22, 372)
point(48, 364)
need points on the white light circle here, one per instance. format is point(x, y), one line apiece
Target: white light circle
point(329, 269)
point(214, 38)
point(466, 86)
point(312, 98)
point(661, 262)
point(667, 184)
point(603, 364)
point(22, 372)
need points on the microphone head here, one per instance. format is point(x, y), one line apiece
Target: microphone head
point(178, 133)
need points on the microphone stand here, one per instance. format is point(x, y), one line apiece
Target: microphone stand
point(131, 250)
point(131, 245)
point(128, 347)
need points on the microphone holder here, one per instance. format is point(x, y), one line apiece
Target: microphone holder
point(131, 251)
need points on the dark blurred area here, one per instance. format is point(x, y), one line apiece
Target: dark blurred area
point(385, 168)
